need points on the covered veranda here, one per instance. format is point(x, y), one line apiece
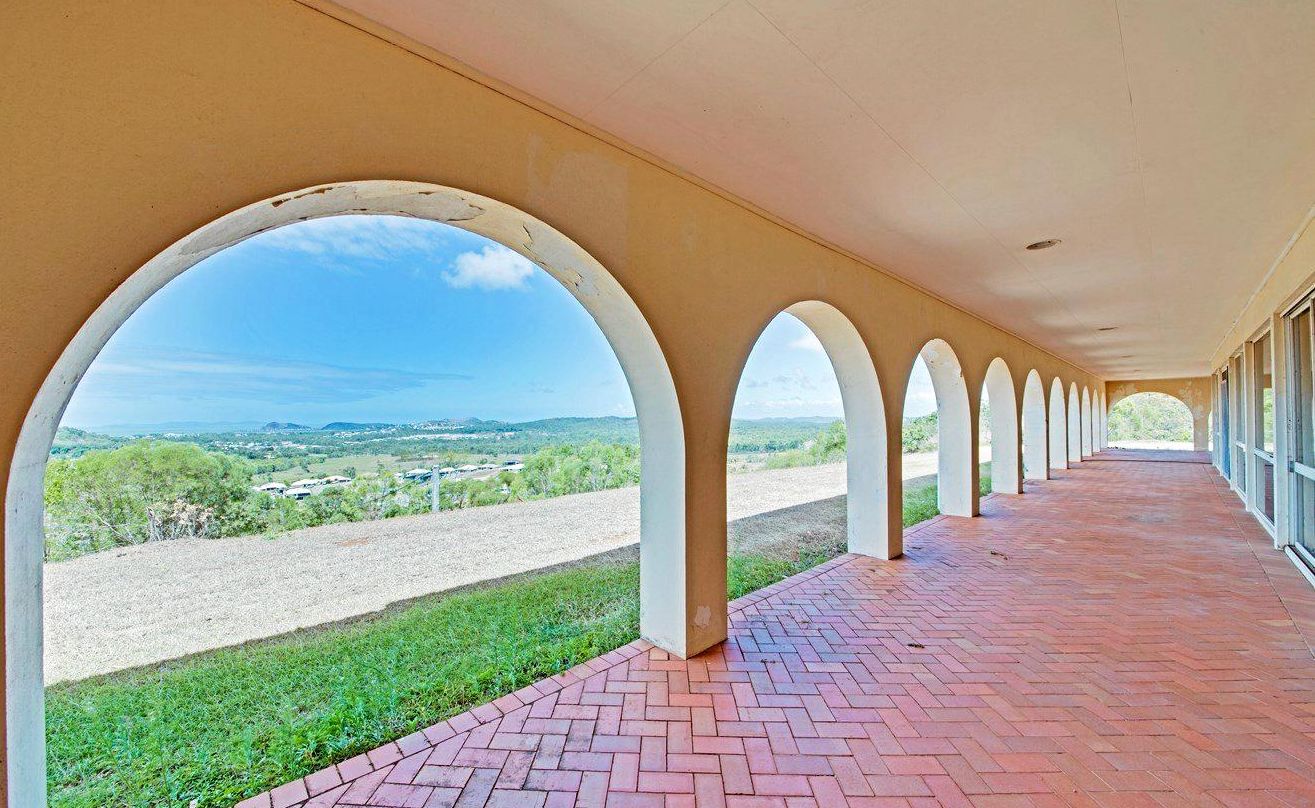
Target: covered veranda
point(1054, 206)
point(1122, 635)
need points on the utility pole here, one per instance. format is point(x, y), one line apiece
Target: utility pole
point(433, 490)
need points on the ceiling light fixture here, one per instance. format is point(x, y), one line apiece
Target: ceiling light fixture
point(1043, 245)
point(1108, 328)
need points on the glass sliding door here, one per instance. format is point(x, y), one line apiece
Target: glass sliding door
point(1301, 425)
point(1262, 413)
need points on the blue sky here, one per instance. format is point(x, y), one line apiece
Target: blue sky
point(373, 318)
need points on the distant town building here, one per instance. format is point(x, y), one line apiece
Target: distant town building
point(297, 493)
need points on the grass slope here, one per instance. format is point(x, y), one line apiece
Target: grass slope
point(215, 729)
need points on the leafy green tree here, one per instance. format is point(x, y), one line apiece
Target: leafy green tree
point(1151, 416)
point(114, 498)
point(827, 447)
point(921, 434)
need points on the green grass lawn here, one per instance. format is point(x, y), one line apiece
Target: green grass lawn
point(920, 503)
point(217, 728)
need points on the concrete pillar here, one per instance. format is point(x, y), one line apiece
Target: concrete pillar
point(894, 483)
point(865, 421)
point(1085, 423)
point(682, 574)
point(1057, 427)
point(1006, 443)
point(1074, 426)
point(1036, 441)
point(957, 472)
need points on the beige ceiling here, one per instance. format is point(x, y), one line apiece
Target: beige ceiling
point(1169, 143)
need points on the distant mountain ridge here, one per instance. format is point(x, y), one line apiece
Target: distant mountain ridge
point(606, 424)
point(350, 426)
point(284, 443)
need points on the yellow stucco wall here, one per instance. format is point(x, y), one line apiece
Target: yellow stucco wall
point(126, 126)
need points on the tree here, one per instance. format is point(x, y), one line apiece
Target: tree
point(143, 491)
point(921, 434)
point(1151, 416)
point(828, 446)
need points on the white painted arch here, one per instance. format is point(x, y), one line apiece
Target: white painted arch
point(1035, 441)
point(867, 487)
point(1102, 421)
point(1087, 442)
point(662, 498)
point(1006, 447)
point(1097, 420)
point(1074, 425)
point(1178, 403)
point(1058, 426)
point(956, 493)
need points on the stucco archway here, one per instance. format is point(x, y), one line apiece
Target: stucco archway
point(867, 491)
point(1097, 420)
point(1006, 448)
point(1058, 426)
point(1196, 393)
point(1074, 424)
point(662, 548)
point(1087, 442)
point(1168, 414)
point(956, 493)
point(1035, 440)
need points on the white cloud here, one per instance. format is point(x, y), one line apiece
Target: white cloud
point(128, 374)
point(494, 267)
point(807, 341)
point(377, 238)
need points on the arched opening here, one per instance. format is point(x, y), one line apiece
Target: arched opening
point(1035, 455)
point(1150, 421)
point(1098, 419)
point(1074, 425)
point(1087, 442)
point(662, 550)
point(817, 467)
point(999, 415)
point(1058, 426)
point(956, 494)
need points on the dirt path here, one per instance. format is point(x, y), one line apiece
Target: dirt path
point(132, 607)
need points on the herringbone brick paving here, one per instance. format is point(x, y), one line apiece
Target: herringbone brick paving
point(1123, 635)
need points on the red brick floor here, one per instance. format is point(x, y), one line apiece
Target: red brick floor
point(1122, 635)
point(1166, 455)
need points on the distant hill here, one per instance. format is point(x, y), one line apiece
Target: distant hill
point(71, 442)
point(348, 426)
point(279, 426)
point(280, 445)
